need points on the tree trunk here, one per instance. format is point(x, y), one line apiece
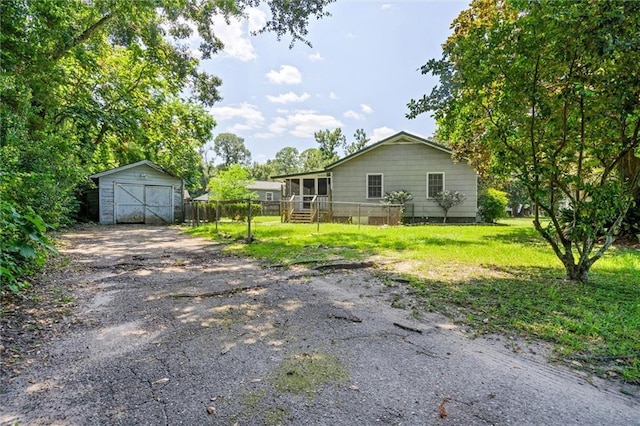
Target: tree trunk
point(444, 219)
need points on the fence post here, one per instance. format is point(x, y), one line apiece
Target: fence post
point(198, 214)
point(359, 220)
point(317, 209)
point(389, 215)
point(217, 215)
point(249, 237)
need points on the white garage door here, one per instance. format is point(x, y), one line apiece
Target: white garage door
point(149, 204)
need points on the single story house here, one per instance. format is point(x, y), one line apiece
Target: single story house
point(141, 192)
point(400, 162)
point(266, 191)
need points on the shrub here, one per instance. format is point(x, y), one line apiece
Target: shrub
point(492, 204)
point(23, 246)
point(448, 199)
point(397, 197)
point(239, 210)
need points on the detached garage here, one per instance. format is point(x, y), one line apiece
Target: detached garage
point(141, 192)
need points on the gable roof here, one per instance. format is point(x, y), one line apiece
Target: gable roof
point(387, 141)
point(131, 166)
point(390, 141)
point(265, 185)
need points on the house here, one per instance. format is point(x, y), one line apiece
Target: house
point(141, 192)
point(400, 162)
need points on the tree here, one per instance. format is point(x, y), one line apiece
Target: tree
point(231, 184)
point(230, 148)
point(361, 140)
point(448, 199)
point(329, 141)
point(262, 171)
point(311, 160)
point(89, 85)
point(287, 161)
point(548, 92)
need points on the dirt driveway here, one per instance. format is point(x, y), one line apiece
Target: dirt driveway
point(167, 330)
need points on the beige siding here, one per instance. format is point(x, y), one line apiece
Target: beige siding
point(134, 176)
point(405, 166)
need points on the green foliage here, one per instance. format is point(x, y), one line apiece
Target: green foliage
point(492, 204)
point(397, 197)
point(231, 150)
point(448, 199)
point(23, 246)
point(231, 184)
point(238, 210)
point(311, 160)
point(329, 141)
point(360, 141)
point(542, 91)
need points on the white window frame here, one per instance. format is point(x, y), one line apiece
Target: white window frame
point(443, 182)
point(381, 186)
point(268, 196)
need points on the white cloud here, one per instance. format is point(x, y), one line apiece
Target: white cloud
point(249, 115)
point(385, 6)
point(382, 133)
point(257, 19)
point(285, 98)
point(333, 96)
point(303, 124)
point(366, 108)
point(287, 75)
point(314, 57)
point(235, 37)
point(352, 114)
point(264, 135)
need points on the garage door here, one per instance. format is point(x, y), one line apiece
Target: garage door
point(149, 204)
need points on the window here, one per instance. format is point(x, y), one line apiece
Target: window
point(374, 185)
point(268, 196)
point(435, 184)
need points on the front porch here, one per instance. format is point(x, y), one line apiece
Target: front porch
point(306, 198)
point(306, 209)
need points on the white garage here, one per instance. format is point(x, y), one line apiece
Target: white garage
point(141, 192)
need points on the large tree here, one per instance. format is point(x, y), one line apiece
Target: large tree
point(231, 150)
point(360, 141)
point(329, 141)
point(548, 91)
point(89, 85)
point(287, 161)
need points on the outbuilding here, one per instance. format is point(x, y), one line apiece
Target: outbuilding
point(141, 192)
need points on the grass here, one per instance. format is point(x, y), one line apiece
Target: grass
point(492, 278)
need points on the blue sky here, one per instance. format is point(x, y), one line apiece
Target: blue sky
point(360, 73)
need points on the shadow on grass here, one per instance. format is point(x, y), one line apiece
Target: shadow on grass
point(519, 235)
point(596, 324)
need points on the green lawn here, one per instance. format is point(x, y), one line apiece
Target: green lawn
point(493, 278)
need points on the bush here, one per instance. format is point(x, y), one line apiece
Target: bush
point(239, 210)
point(397, 197)
point(492, 205)
point(23, 246)
point(447, 200)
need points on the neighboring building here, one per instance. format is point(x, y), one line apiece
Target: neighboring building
point(402, 161)
point(266, 190)
point(141, 192)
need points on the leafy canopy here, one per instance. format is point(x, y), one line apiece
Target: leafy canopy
point(548, 92)
point(231, 184)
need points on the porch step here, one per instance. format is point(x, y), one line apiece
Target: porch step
point(300, 217)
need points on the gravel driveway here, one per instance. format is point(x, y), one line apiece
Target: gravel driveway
point(167, 330)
